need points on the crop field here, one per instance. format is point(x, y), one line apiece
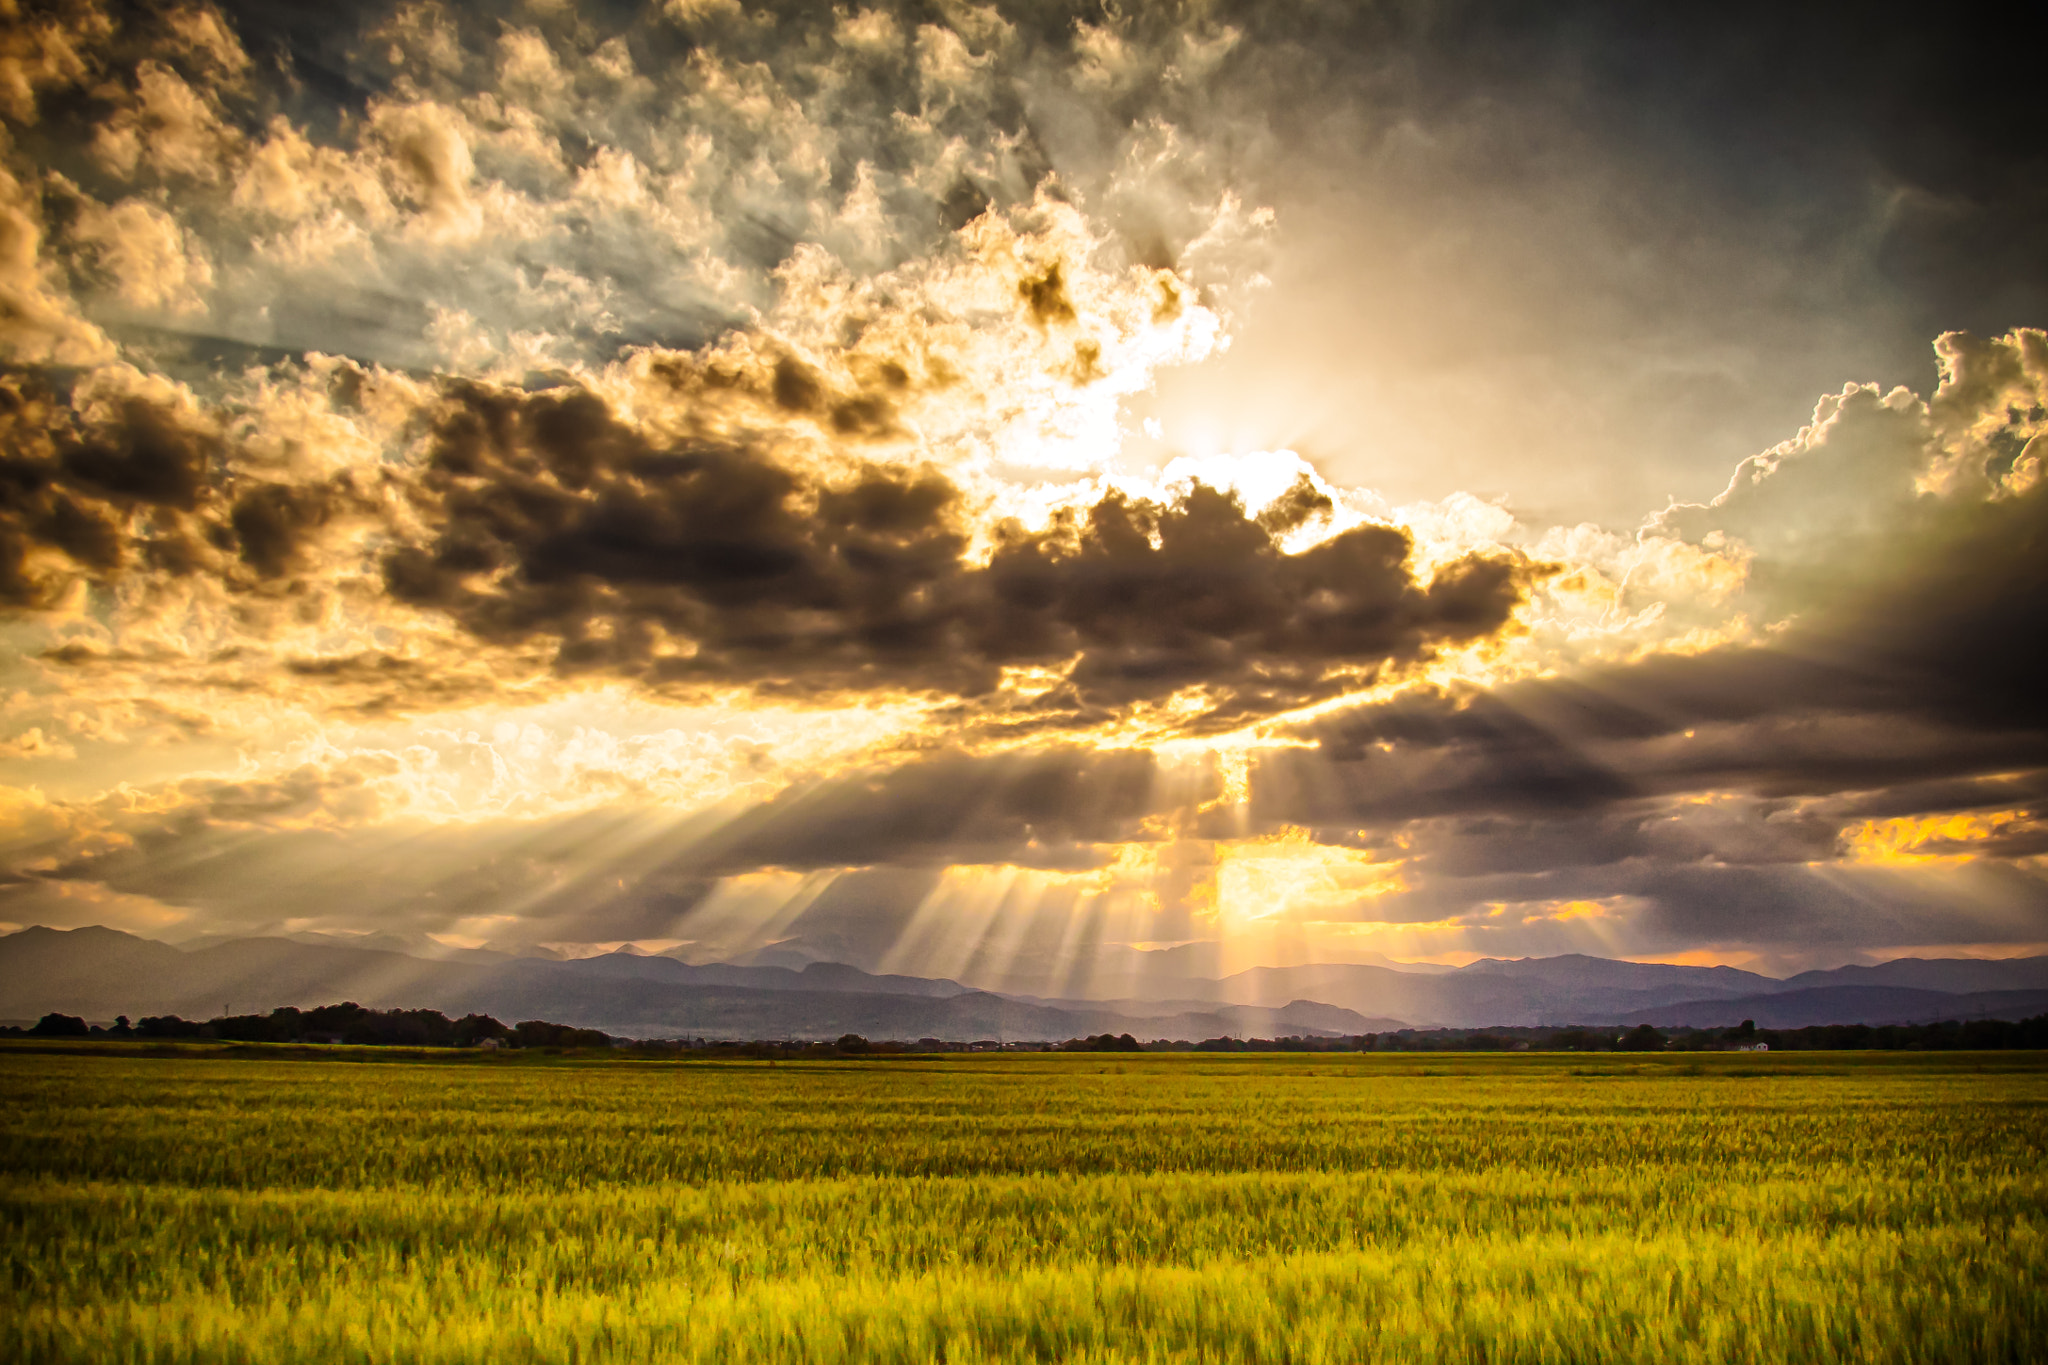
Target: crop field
point(244, 1206)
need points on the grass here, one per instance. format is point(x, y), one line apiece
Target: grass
point(199, 1206)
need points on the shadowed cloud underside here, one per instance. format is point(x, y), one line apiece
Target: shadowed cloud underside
point(995, 491)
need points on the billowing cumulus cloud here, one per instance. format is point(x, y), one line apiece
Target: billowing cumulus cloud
point(706, 473)
point(702, 561)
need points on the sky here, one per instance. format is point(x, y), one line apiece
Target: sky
point(987, 491)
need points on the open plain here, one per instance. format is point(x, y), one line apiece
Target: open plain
point(248, 1204)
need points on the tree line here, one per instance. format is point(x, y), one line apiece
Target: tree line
point(347, 1022)
point(1968, 1035)
point(1985, 1035)
point(352, 1023)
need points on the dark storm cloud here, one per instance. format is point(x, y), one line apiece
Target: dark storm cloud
point(1651, 875)
point(1044, 809)
point(1499, 756)
point(75, 490)
point(694, 560)
point(1728, 832)
point(1755, 793)
point(1928, 668)
point(1751, 181)
point(711, 561)
point(1997, 790)
point(1848, 907)
point(1683, 905)
point(1616, 734)
point(1428, 756)
point(139, 485)
point(717, 559)
point(557, 520)
point(1162, 597)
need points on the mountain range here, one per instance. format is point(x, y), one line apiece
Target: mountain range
point(99, 973)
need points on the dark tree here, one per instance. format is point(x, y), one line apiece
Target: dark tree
point(1643, 1038)
point(60, 1026)
point(472, 1029)
point(540, 1033)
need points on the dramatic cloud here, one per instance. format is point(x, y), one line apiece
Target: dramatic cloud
point(703, 562)
point(1766, 788)
point(772, 478)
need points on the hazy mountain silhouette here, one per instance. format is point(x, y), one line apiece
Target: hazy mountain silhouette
point(1491, 992)
point(1954, 974)
point(1854, 1004)
point(98, 973)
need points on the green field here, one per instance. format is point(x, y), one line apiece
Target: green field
point(193, 1207)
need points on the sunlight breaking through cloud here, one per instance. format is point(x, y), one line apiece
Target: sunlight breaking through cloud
point(704, 477)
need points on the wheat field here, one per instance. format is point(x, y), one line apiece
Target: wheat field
point(243, 1205)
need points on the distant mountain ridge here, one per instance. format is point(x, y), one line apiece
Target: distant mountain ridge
point(1854, 1004)
point(1577, 989)
point(98, 973)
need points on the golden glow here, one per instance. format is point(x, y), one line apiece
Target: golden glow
point(1287, 874)
point(1568, 911)
point(157, 716)
point(1931, 840)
